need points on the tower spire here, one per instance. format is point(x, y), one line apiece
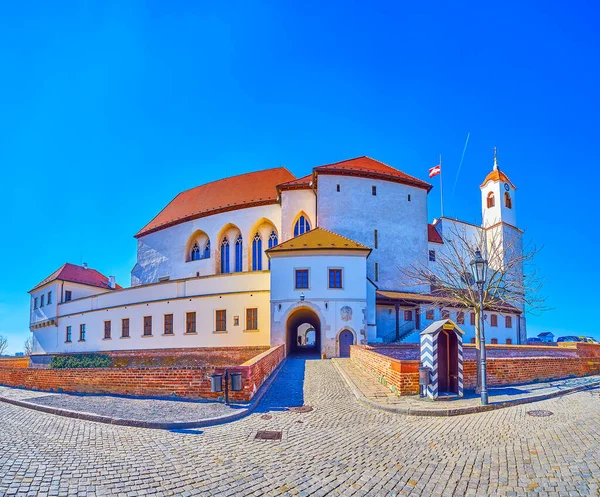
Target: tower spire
point(495, 159)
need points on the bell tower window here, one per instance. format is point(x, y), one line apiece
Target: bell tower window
point(507, 200)
point(491, 200)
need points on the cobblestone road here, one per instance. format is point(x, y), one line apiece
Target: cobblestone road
point(340, 448)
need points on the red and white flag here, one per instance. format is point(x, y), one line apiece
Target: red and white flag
point(435, 170)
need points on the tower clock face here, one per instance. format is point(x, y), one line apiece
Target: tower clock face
point(506, 186)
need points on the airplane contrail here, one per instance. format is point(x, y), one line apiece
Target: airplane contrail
point(461, 162)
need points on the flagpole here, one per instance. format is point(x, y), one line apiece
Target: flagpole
point(441, 186)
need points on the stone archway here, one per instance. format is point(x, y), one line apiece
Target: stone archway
point(299, 317)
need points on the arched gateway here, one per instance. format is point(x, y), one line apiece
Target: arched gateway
point(296, 343)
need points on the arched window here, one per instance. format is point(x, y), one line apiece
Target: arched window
point(195, 255)
point(257, 253)
point(491, 201)
point(507, 200)
point(238, 254)
point(272, 243)
point(301, 226)
point(207, 250)
point(225, 256)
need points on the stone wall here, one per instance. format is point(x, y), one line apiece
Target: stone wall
point(506, 365)
point(14, 362)
point(180, 382)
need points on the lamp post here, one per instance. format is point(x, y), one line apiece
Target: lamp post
point(479, 269)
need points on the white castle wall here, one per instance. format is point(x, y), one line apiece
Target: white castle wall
point(234, 293)
point(355, 213)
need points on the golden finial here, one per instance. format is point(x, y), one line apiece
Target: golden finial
point(495, 158)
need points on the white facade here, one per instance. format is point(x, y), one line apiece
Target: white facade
point(179, 270)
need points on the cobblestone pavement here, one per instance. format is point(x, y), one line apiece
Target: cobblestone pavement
point(373, 390)
point(125, 407)
point(340, 448)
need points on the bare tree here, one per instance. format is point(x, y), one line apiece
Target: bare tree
point(28, 346)
point(3, 344)
point(512, 285)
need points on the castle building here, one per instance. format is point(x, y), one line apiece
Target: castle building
point(265, 258)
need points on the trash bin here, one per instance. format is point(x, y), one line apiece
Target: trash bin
point(216, 382)
point(424, 373)
point(236, 382)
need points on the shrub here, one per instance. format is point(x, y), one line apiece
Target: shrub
point(80, 361)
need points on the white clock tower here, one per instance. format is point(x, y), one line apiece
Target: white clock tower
point(498, 198)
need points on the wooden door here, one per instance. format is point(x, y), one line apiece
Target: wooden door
point(346, 339)
point(442, 350)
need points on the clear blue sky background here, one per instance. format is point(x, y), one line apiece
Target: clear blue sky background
point(109, 110)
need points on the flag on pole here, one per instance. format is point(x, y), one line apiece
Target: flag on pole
point(435, 170)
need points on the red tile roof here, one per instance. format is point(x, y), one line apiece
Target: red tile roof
point(297, 184)
point(433, 235)
point(370, 168)
point(236, 192)
point(318, 239)
point(76, 274)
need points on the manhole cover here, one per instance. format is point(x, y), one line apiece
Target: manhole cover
point(268, 435)
point(540, 413)
point(266, 416)
point(301, 409)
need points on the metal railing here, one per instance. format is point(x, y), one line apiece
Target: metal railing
point(405, 330)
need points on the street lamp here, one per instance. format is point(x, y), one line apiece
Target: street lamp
point(479, 270)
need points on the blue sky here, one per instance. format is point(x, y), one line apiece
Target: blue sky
point(109, 110)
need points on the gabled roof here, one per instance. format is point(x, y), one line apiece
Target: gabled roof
point(236, 192)
point(297, 184)
point(76, 274)
point(433, 234)
point(546, 334)
point(371, 168)
point(318, 239)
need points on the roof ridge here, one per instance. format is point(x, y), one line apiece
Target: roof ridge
point(235, 176)
point(337, 234)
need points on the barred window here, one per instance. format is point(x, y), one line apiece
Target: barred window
point(147, 326)
point(168, 324)
point(190, 322)
point(125, 328)
point(107, 330)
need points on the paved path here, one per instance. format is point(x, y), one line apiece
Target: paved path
point(340, 448)
point(368, 389)
point(125, 407)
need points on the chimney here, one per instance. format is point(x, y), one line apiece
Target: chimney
point(111, 282)
point(85, 265)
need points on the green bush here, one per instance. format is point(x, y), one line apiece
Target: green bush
point(80, 361)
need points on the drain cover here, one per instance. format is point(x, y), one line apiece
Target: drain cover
point(540, 413)
point(301, 409)
point(266, 416)
point(268, 435)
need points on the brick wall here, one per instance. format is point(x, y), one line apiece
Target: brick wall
point(189, 383)
point(14, 362)
point(516, 367)
point(401, 376)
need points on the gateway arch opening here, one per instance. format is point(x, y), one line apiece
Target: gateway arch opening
point(303, 333)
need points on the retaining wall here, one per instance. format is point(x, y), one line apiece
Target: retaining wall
point(181, 382)
point(14, 362)
point(506, 365)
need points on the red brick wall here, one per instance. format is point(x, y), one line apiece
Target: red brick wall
point(402, 377)
point(513, 371)
point(14, 362)
point(189, 383)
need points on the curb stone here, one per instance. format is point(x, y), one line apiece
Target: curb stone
point(456, 411)
point(138, 423)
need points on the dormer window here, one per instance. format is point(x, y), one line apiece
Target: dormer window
point(507, 200)
point(491, 200)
